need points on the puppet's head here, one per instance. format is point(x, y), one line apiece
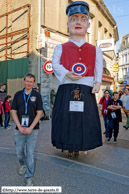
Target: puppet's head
point(77, 7)
point(78, 18)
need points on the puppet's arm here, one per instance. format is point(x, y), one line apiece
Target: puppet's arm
point(98, 70)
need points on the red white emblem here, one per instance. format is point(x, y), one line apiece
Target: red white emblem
point(48, 67)
point(79, 69)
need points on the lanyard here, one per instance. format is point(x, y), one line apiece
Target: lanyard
point(106, 103)
point(114, 103)
point(26, 101)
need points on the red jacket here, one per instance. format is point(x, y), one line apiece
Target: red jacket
point(1, 107)
point(72, 54)
point(104, 105)
point(7, 106)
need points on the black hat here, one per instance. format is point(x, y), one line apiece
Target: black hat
point(77, 7)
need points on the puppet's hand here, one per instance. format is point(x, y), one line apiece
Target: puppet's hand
point(96, 87)
point(73, 77)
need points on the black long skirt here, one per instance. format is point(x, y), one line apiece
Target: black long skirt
point(75, 131)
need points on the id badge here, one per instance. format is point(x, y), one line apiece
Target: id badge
point(76, 106)
point(105, 111)
point(113, 114)
point(25, 121)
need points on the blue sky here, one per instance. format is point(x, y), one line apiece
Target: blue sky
point(120, 12)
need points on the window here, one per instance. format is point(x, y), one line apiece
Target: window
point(122, 72)
point(110, 35)
point(99, 30)
point(126, 41)
point(105, 33)
point(126, 59)
point(125, 71)
point(122, 59)
point(128, 70)
point(106, 71)
point(99, 24)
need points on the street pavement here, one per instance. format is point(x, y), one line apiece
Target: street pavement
point(104, 170)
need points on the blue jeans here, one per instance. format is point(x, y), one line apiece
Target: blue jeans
point(6, 119)
point(106, 123)
point(26, 144)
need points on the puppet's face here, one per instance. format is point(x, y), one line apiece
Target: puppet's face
point(78, 24)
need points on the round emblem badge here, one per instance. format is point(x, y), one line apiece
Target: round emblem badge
point(79, 69)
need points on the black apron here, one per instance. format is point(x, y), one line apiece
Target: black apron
point(75, 131)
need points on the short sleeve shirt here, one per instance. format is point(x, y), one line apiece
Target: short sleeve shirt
point(34, 104)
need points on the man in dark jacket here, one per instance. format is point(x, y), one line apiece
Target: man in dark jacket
point(114, 116)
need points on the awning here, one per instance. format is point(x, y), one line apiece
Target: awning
point(107, 79)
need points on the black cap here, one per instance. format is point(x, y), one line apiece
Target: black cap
point(77, 7)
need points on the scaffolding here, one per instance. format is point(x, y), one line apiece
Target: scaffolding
point(25, 35)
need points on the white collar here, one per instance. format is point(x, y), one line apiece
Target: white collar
point(77, 43)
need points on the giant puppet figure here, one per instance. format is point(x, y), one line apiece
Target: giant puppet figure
point(78, 67)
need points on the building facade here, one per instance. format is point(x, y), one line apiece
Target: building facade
point(46, 20)
point(124, 61)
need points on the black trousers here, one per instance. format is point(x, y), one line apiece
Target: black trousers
point(113, 124)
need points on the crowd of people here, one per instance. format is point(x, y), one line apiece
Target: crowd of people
point(110, 106)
